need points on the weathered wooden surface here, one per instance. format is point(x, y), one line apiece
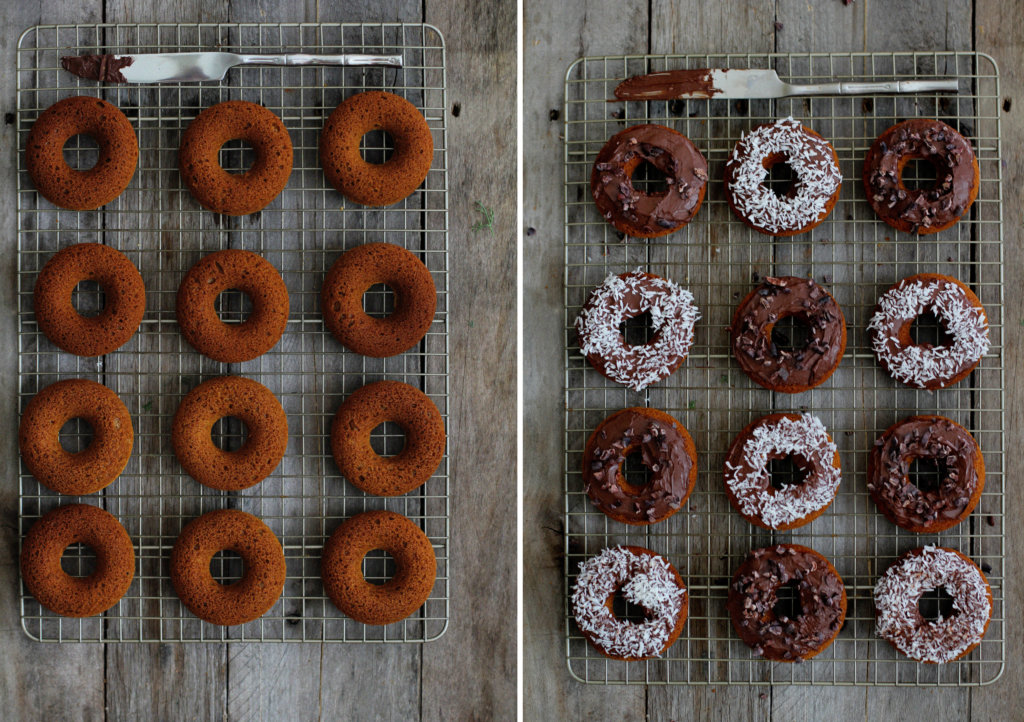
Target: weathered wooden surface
point(470, 671)
point(554, 35)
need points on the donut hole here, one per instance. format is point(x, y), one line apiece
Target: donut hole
point(927, 474)
point(227, 567)
point(787, 602)
point(928, 330)
point(919, 174)
point(781, 178)
point(233, 306)
point(88, 299)
point(790, 334)
point(936, 603)
point(786, 471)
point(638, 330)
point(379, 301)
point(635, 475)
point(387, 439)
point(376, 147)
point(650, 179)
point(625, 611)
point(236, 156)
point(229, 433)
point(379, 567)
point(81, 152)
point(75, 435)
point(78, 560)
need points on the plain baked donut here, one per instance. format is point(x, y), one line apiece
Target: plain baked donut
point(242, 271)
point(352, 275)
point(262, 556)
point(235, 194)
point(373, 184)
point(369, 407)
point(400, 596)
point(81, 190)
point(124, 299)
point(95, 466)
point(57, 590)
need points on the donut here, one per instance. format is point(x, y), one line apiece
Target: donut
point(124, 299)
point(748, 482)
point(780, 369)
point(352, 275)
point(961, 466)
point(400, 596)
point(645, 579)
point(242, 271)
point(673, 316)
point(369, 407)
point(265, 421)
point(898, 617)
point(95, 466)
point(376, 184)
point(924, 210)
point(754, 595)
point(235, 194)
point(925, 366)
point(808, 200)
point(665, 448)
point(639, 213)
point(60, 592)
point(238, 602)
point(81, 190)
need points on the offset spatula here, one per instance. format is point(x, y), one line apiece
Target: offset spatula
point(728, 83)
point(186, 67)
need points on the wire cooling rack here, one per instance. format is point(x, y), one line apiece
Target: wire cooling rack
point(856, 257)
point(162, 229)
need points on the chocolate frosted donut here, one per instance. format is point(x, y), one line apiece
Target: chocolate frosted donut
point(780, 369)
point(748, 482)
point(924, 210)
point(646, 579)
point(665, 448)
point(635, 212)
point(673, 316)
point(754, 594)
point(809, 199)
point(922, 365)
point(898, 616)
point(961, 468)
point(81, 190)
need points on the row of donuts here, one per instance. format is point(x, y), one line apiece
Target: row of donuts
point(215, 188)
point(341, 299)
point(809, 198)
point(674, 314)
point(650, 581)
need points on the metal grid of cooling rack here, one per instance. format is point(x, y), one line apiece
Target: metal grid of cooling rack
point(164, 231)
point(857, 257)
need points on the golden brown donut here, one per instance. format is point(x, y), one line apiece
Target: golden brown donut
point(369, 407)
point(95, 466)
point(228, 530)
point(342, 567)
point(352, 275)
point(373, 184)
point(242, 271)
point(81, 190)
point(124, 299)
point(235, 194)
point(57, 590)
point(212, 400)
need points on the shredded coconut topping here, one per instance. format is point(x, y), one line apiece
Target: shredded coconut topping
point(673, 316)
point(646, 580)
point(920, 365)
point(813, 162)
point(749, 480)
point(900, 589)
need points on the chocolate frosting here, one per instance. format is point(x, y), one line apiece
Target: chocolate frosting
point(777, 298)
point(753, 595)
point(667, 85)
point(924, 437)
point(104, 68)
point(663, 450)
point(685, 169)
point(943, 147)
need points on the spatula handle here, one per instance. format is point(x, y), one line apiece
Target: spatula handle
point(889, 86)
point(304, 59)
